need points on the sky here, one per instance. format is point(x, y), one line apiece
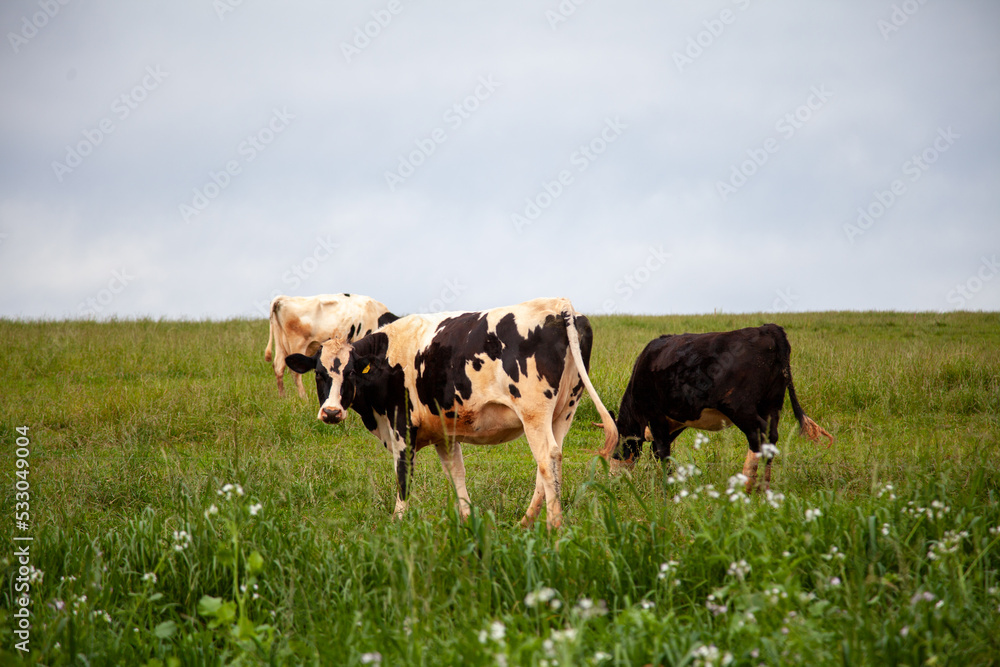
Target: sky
point(194, 159)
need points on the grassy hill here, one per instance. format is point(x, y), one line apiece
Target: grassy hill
point(136, 426)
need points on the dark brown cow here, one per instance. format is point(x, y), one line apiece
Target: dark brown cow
point(710, 381)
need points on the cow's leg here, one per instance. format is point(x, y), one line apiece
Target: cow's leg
point(279, 365)
point(537, 498)
point(298, 384)
point(403, 460)
point(663, 437)
point(454, 466)
point(751, 429)
point(548, 456)
point(772, 437)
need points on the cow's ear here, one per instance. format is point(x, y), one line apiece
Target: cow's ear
point(300, 363)
point(363, 367)
point(313, 348)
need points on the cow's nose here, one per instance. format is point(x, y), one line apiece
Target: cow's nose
point(332, 415)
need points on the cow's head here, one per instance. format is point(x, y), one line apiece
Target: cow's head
point(337, 376)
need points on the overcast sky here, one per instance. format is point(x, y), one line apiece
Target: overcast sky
point(193, 159)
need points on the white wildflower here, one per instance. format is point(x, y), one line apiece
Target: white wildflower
point(587, 609)
point(542, 595)
point(813, 514)
point(833, 553)
point(182, 540)
point(255, 509)
point(150, 577)
point(715, 607)
point(739, 569)
point(708, 656)
point(887, 489)
point(212, 509)
point(373, 658)
point(769, 451)
point(497, 631)
point(568, 635)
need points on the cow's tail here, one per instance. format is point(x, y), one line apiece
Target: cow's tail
point(272, 327)
point(610, 430)
point(807, 426)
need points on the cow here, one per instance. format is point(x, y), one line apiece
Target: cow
point(480, 377)
point(298, 321)
point(710, 381)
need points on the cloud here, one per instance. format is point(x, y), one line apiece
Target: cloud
point(690, 124)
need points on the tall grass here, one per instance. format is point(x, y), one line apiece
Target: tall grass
point(137, 426)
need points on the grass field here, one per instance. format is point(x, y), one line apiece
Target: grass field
point(881, 550)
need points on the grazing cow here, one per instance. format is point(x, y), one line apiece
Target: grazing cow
point(478, 377)
point(710, 381)
point(298, 321)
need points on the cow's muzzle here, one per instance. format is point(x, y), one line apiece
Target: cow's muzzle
point(331, 415)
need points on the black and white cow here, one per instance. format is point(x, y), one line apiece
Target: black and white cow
point(477, 377)
point(710, 381)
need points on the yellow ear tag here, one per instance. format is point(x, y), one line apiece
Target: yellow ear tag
point(367, 368)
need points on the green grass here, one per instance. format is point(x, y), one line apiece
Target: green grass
point(135, 427)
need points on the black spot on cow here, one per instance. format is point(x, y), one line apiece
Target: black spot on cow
point(350, 334)
point(450, 414)
point(381, 389)
point(442, 379)
point(336, 365)
point(572, 402)
point(547, 343)
point(515, 392)
point(477, 364)
point(548, 393)
point(492, 346)
point(386, 318)
point(347, 295)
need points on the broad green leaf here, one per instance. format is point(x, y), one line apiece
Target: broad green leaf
point(209, 606)
point(165, 630)
point(255, 562)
